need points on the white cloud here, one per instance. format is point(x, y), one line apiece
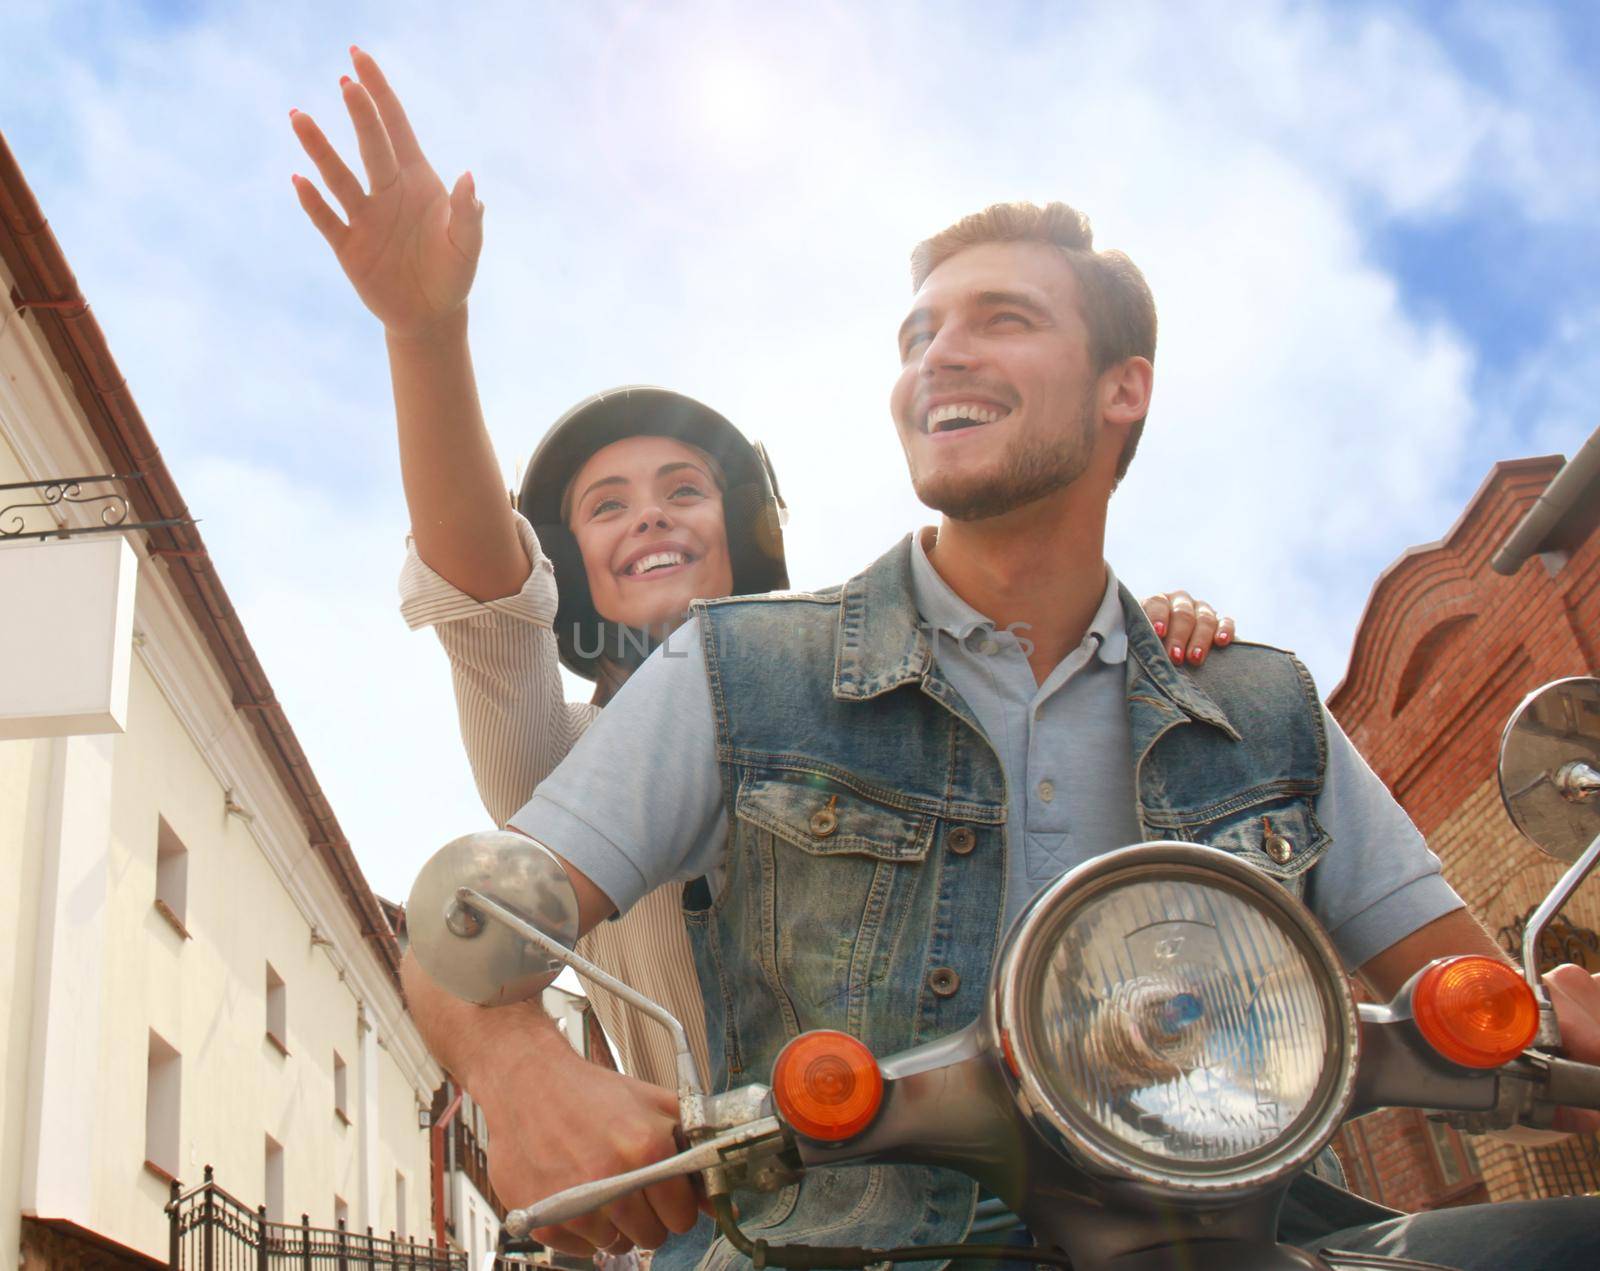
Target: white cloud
point(721, 198)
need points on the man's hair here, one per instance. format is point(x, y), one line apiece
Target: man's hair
point(1117, 306)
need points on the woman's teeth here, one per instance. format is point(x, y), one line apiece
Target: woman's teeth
point(658, 560)
point(962, 415)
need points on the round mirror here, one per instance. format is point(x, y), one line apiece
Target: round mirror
point(470, 954)
point(1550, 764)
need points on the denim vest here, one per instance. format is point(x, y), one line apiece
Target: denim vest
point(865, 877)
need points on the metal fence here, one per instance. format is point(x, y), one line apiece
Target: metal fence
point(210, 1230)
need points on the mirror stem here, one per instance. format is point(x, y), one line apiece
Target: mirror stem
point(688, 1073)
point(1547, 910)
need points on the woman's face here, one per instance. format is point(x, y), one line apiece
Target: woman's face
point(648, 519)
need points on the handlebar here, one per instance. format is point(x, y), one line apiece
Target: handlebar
point(587, 1197)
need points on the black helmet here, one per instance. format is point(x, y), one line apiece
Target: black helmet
point(753, 510)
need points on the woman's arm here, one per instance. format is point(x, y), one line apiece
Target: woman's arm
point(410, 250)
point(515, 723)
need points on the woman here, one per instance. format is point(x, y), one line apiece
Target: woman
point(638, 500)
point(641, 500)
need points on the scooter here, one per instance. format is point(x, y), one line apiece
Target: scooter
point(1168, 1042)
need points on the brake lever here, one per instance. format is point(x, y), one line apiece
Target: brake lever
point(585, 1198)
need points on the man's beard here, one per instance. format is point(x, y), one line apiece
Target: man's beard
point(1030, 468)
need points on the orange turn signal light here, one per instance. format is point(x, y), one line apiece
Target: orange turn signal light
point(827, 1085)
point(1475, 1011)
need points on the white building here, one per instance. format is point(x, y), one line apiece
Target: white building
point(193, 970)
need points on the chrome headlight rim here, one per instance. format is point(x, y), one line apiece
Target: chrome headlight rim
point(1026, 952)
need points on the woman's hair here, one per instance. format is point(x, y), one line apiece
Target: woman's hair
point(705, 456)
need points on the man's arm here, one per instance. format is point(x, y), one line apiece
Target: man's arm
point(555, 1119)
point(1380, 893)
point(1574, 993)
point(1455, 933)
point(637, 801)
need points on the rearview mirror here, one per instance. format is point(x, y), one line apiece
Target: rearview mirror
point(1550, 767)
point(461, 948)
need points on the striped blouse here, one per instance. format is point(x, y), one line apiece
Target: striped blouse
point(517, 727)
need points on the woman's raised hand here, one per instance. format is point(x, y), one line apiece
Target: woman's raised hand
point(410, 247)
point(1189, 628)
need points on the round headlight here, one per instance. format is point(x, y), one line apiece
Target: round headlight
point(1177, 1017)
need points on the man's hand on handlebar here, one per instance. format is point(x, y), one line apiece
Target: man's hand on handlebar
point(556, 1120)
point(1576, 996)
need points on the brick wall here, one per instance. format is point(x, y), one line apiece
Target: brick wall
point(1443, 654)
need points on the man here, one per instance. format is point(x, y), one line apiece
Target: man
point(863, 784)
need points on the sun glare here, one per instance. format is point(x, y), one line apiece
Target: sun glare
point(731, 98)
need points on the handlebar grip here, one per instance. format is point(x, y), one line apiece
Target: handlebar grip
point(1572, 1084)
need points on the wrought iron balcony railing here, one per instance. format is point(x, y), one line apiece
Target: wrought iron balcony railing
point(211, 1230)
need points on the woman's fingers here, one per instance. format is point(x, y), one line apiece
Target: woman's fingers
point(401, 137)
point(1204, 634)
point(340, 180)
point(466, 218)
point(322, 216)
point(1180, 625)
point(377, 154)
point(1158, 611)
point(1188, 628)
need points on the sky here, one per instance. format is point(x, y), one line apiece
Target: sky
point(1368, 228)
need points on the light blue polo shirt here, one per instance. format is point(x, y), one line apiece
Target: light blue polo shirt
point(638, 801)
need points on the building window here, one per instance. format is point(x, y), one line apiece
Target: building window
point(277, 1011)
point(274, 1188)
point(341, 1089)
point(341, 1212)
point(399, 1205)
point(172, 878)
point(162, 1108)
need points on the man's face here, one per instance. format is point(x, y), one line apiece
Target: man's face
point(995, 400)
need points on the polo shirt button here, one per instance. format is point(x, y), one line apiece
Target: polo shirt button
point(961, 840)
point(944, 981)
point(1047, 790)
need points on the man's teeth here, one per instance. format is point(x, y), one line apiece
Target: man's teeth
point(658, 560)
point(965, 412)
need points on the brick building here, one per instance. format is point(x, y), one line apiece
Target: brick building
point(1455, 634)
